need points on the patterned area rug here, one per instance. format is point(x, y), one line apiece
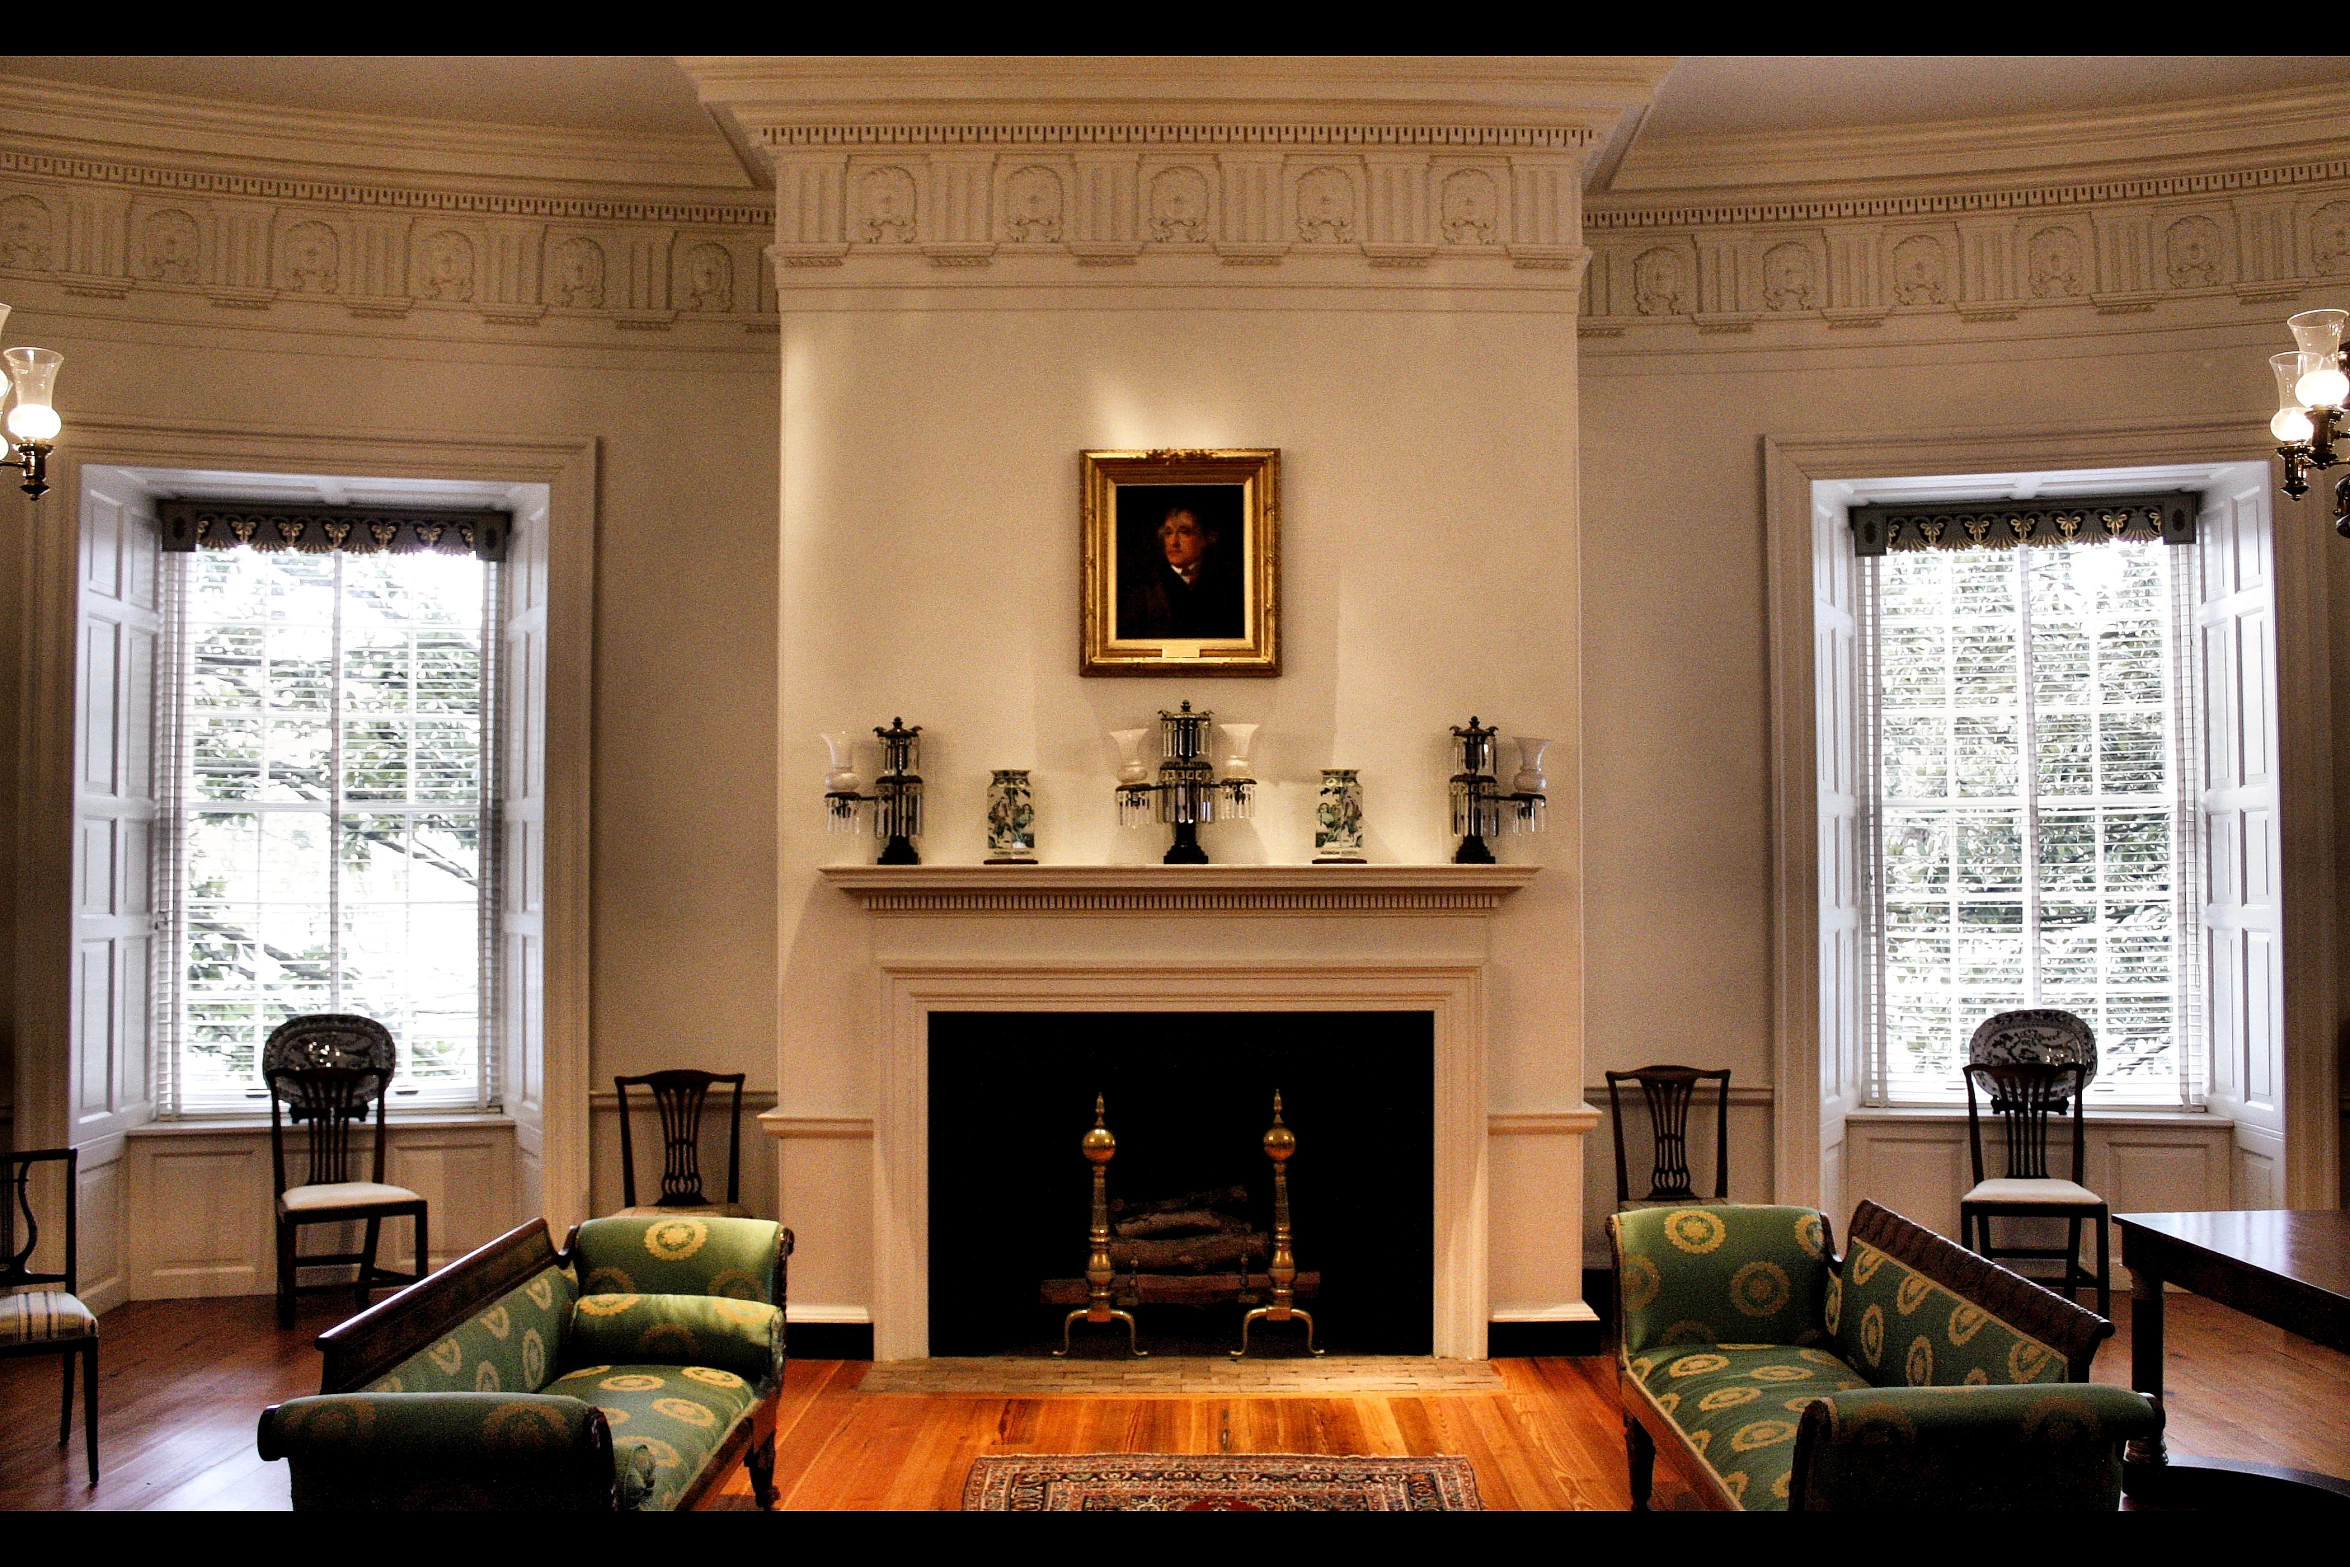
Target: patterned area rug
point(1218, 1483)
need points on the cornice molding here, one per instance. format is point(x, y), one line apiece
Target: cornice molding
point(1110, 133)
point(745, 213)
point(144, 126)
point(2071, 145)
point(1615, 214)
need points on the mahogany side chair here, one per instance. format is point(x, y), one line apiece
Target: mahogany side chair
point(679, 1095)
point(36, 1321)
point(1670, 1090)
point(326, 1070)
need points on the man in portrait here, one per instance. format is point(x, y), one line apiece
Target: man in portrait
point(1179, 582)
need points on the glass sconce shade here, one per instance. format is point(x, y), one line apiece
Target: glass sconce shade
point(32, 377)
point(2291, 422)
point(841, 771)
point(1237, 740)
point(1132, 769)
point(2319, 334)
point(1530, 779)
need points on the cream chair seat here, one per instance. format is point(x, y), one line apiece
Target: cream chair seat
point(344, 1194)
point(2047, 1190)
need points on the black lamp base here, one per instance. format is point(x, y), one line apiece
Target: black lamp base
point(899, 851)
point(1185, 850)
point(1472, 852)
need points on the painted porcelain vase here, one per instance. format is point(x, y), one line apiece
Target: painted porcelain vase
point(1011, 818)
point(1338, 818)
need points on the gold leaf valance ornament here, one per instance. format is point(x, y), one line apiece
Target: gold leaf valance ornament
point(320, 530)
point(1880, 527)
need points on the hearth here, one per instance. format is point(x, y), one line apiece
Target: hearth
point(1187, 1096)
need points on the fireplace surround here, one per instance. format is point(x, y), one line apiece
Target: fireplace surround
point(1158, 939)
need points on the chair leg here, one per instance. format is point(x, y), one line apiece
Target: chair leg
point(363, 1291)
point(285, 1273)
point(90, 1405)
point(760, 1461)
point(65, 1411)
point(423, 1251)
point(1640, 1454)
point(2074, 1274)
point(2104, 1267)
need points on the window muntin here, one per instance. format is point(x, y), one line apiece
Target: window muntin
point(331, 796)
point(2029, 812)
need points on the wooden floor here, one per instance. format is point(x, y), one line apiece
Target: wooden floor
point(184, 1381)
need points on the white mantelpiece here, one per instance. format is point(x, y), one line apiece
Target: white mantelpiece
point(1169, 939)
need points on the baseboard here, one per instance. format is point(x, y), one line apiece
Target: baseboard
point(830, 1340)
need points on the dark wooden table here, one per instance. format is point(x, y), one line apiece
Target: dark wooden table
point(2286, 1268)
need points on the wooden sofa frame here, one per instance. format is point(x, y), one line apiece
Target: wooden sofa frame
point(370, 1344)
point(2072, 1330)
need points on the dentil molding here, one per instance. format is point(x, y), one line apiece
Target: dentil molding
point(1180, 889)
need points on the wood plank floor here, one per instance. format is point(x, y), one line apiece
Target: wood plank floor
point(183, 1382)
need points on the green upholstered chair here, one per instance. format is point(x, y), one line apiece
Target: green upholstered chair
point(38, 1321)
point(1761, 1366)
point(630, 1371)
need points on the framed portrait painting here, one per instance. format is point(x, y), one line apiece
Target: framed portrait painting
point(1181, 563)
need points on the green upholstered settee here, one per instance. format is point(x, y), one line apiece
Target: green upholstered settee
point(630, 1371)
point(1908, 1375)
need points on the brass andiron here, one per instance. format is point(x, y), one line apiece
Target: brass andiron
point(1100, 1148)
point(1280, 1143)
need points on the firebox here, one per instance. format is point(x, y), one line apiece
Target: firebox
point(1188, 1096)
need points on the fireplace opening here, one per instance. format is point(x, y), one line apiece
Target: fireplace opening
point(1188, 1097)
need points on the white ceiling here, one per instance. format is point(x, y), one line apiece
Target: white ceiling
point(1702, 96)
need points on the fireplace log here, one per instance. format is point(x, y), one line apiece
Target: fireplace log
point(1178, 1289)
point(1190, 1253)
point(1229, 1199)
point(1182, 1221)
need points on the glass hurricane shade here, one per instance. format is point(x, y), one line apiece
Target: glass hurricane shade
point(2290, 422)
point(840, 775)
point(1238, 738)
point(2319, 334)
point(32, 378)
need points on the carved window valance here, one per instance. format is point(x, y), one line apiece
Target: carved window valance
point(1879, 527)
point(321, 530)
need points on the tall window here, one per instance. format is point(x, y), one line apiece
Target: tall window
point(2033, 837)
point(331, 783)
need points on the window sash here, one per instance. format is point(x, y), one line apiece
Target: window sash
point(341, 823)
point(2069, 835)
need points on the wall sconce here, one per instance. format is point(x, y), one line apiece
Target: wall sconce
point(32, 424)
point(2313, 383)
point(1187, 791)
point(1481, 809)
point(897, 794)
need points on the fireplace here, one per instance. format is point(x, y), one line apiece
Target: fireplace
point(1023, 954)
point(1188, 1096)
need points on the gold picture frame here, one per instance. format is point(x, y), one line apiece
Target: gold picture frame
point(1182, 562)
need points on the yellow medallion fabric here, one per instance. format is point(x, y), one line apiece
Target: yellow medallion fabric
point(694, 1254)
point(510, 1348)
point(744, 1337)
point(1901, 1329)
point(1733, 1274)
point(1739, 1406)
point(666, 1419)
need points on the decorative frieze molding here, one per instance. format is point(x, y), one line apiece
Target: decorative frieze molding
point(2260, 236)
point(1180, 889)
point(1233, 195)
point(106, 230)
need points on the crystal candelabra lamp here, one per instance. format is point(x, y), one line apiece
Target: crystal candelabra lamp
point(30, 421)
point(1187, 791)
point(2313, 383)
point(897, 793)
point(1481, 808)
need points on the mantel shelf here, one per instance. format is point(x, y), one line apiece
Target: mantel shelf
point(1180, 889)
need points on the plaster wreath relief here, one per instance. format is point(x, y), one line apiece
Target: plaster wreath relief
point(2329, 238)
point(312, 256)
point(2055, 260)
point(576, 275)
point(168, 240)
point(1789, 274)
point(2193, 247)
point(1470, 206)
point(448, 267)
point(709, 278)
point(1326, 207)
point(24, 231)
point(1032, 204)
point(1656, 284)
point(1920, 271)
point(886, 196)
point(1179, 206)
